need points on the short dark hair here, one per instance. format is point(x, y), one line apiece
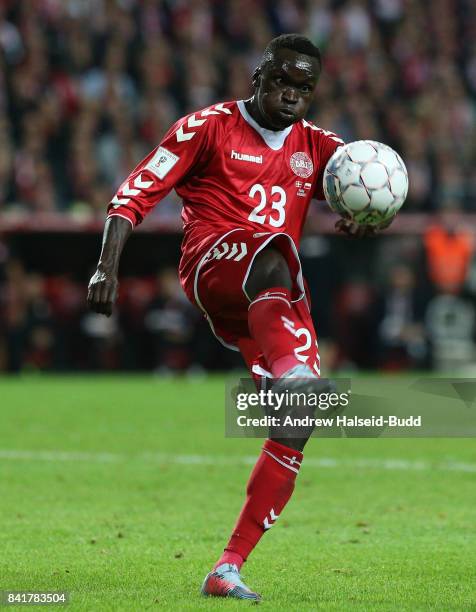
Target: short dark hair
point(295, 42)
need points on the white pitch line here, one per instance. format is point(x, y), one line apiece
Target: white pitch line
point(166, 459)
point(30, 455)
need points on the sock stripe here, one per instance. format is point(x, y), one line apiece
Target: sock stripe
point(270, 297)
point(290, 467)
point(292, 460)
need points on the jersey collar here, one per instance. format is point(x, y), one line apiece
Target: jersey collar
point(274, 140)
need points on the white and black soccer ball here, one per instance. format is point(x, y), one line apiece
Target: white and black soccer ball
point(366, 181)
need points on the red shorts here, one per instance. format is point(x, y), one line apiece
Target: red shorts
point(219, 291)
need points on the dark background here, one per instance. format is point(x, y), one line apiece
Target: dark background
point(88, 88)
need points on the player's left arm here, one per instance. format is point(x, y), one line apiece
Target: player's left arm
point(188, 143)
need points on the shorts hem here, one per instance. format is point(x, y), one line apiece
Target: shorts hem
point(299, 279)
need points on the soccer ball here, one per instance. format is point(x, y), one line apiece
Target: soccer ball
point(366, 181)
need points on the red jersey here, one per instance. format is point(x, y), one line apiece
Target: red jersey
point(230, 173)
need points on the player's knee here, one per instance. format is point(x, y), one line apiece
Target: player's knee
point(269, 269)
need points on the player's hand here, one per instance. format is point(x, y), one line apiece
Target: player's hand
point(102, 292)
point(354, 230)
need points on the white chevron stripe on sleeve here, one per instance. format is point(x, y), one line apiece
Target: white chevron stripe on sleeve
point(119, 201)
point(181, 135)
point(127, 191)
point(221, 108)
point(193, 122)
point(138, 182)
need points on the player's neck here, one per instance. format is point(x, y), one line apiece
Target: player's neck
point(253, 109)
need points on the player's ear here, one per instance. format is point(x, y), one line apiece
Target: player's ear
point(255, 79)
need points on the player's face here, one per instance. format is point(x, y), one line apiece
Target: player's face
point(285, 88)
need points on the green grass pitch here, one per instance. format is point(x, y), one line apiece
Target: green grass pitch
point(123, 491)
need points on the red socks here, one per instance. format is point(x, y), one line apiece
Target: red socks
point(230, 557)
point(272, 324)
point(269, 488)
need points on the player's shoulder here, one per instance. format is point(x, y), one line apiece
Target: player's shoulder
point(204, 120)
point(216, 113)
point(220, 110)
point(317, 133)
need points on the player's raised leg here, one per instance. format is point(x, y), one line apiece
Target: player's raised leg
point(271, 319)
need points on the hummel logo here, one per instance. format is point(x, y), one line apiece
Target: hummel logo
point(267, 524)
point(256, 159)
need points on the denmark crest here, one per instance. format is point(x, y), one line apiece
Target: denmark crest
point(301, 164)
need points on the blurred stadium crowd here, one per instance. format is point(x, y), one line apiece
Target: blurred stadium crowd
point(88, 87)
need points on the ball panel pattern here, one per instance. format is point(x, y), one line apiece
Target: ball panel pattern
point(362, 151)
point(355, 198)
point(381, 199)
point(349, 173)
point(374, 175)
point(366, 181)
point(399, 184)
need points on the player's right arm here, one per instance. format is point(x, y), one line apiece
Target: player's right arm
point(185, 147)
point(102, 289)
